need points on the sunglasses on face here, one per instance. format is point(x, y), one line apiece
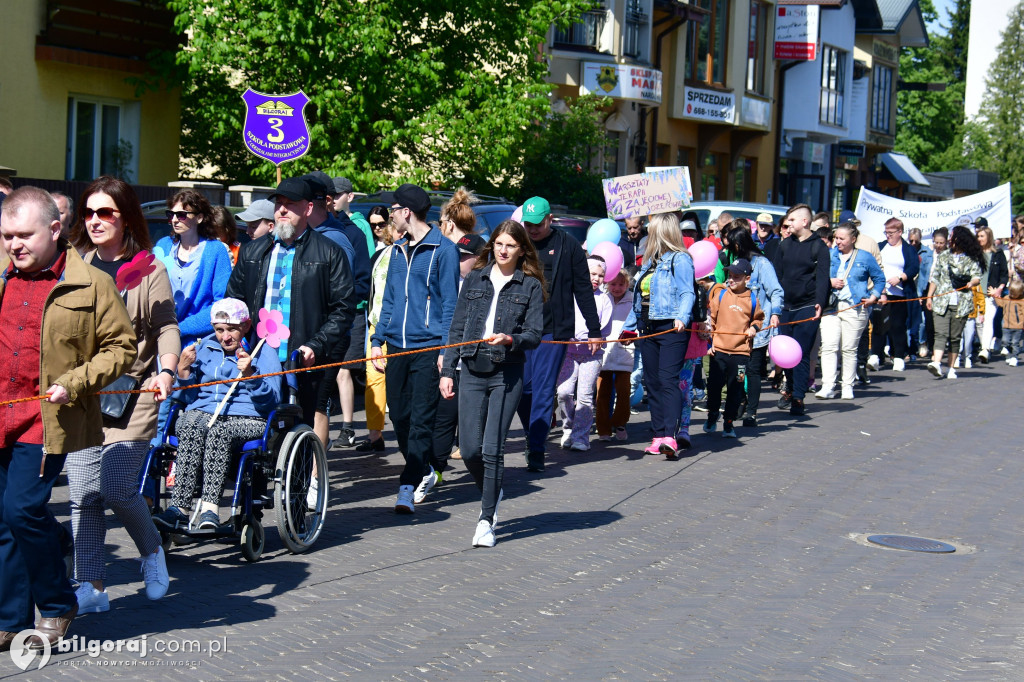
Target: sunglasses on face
point(378, 225)
point(105, 213)
point(180, 215)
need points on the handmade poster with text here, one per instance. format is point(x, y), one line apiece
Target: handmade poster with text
point(275, 125)
point(659, 191)
point(873, 209)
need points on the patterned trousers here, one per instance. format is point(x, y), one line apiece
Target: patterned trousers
point(107, 475)
point(209, 449)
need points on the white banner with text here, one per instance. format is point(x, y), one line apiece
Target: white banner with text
point(873, 209)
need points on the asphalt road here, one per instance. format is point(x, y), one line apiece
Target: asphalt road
point(747, 560)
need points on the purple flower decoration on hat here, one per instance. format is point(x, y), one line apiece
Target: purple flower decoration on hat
point(130, 275)
point(271, 327)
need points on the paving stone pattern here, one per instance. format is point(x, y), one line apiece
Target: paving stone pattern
point(740, 562)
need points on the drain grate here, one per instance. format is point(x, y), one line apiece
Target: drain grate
point(911, 543)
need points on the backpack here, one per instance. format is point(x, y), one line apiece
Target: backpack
point(753, 302)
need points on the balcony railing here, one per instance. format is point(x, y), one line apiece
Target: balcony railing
point(584, 34)
point(636, 21)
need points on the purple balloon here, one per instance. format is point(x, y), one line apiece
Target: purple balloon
point(784, 351)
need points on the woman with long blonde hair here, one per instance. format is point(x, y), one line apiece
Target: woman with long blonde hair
point(663, 295)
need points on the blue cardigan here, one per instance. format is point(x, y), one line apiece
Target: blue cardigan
point(193, 310)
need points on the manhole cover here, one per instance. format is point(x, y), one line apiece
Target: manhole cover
point(912, 543)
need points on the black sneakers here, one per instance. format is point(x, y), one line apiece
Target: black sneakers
point(796, 407)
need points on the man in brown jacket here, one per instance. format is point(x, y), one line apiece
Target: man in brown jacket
point(65, 333)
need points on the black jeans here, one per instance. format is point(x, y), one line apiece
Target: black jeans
point(804, 333)
point(663, 358)
point(755, 371)
point(724, 371)
point(893, 327)
point(412, 388)
point(487, 403)
point(445, 428)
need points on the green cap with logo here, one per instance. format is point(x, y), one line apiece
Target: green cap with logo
point(535, 210)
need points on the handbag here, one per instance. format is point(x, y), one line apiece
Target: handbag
point(114, 405)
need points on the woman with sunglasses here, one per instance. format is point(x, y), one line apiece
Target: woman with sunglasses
point(110, 230)
point(375, 397)
point(197, 262)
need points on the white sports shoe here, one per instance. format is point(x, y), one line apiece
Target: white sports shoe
point(404, 503)
point(825, 394)
point(154, 573)
point(951, 374)
point(967, 363)
point(936, 369)
point(313, 494)
point(91, 600)
point(566, 438)
point(847, 393)
point(873, 362)
point(425, 486)
point(1011, 361)
point(956, 363)
point(484, 535)
point(898, 365)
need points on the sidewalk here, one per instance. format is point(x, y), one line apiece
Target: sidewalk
point(744, 561)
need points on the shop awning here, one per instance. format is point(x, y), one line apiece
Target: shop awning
point(902, 169)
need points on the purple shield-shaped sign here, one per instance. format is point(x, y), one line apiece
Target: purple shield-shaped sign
point(275, 125)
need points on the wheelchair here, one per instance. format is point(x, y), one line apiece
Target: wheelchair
point(273, 472)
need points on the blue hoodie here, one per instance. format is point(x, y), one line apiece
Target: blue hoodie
point(252, 398)
point(419, 298)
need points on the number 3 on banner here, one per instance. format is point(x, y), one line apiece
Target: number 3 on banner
point(278, 134)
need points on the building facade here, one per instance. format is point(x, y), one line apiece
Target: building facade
point(69, 101)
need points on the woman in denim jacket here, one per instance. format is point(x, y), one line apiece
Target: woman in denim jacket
point(738, 242)
point(663, 301)
point(501, 302)
point(850, 271)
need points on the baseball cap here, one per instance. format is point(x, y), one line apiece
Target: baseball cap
point(981, 221)
point(740, 267)
point(688, 226)
point(261, 209)
point(849, 216)
point(765, 218)
point(234, 310)
point(319, 183)
point(535, 210)
point(471, 244)
point(343, 186)
point(412, 197)
point(296, 189)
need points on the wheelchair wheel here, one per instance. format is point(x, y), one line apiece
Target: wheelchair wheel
point(253, 539)
point(300, 455)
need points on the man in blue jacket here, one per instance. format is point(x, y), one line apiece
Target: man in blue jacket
point(419, 302)
point(567, 280)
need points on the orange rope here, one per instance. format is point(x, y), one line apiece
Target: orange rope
point(455, 345)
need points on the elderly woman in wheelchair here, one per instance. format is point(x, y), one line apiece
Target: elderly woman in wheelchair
point(209, 447)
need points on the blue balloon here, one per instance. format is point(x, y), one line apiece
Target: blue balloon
point(603, 230)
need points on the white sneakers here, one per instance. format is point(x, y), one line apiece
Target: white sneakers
point(936, 369)
point(313, 494)
point(566, 438)
point(873, 362)
point(898, 365)
point(426, 485)
point(484, 535)
point(983, 356)
point(951, 374)
point(154, 573)
point(967, 363)
point(825, 394)
point(1011, 361)
point(847, 393)
point(91, 600)
point(404, 503)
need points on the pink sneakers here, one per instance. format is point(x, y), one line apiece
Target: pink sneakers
point(655, 447)
point(668, 447)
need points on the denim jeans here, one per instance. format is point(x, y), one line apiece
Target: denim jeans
point(663, 361)
point(412, 390)
point(540, 375)
point(805, 333)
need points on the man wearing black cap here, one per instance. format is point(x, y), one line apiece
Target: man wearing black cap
point(419, 301)
point(344, 232)
point(304, 275)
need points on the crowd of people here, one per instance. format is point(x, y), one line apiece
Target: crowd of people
point(459, 332)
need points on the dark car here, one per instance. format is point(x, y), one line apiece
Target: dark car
point(490, 211)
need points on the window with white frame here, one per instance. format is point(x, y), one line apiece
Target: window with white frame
point(102, 138)
point(757, 41)
point(833, 85)
point(881, 99)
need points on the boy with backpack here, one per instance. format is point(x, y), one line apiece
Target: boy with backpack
point(735, 318)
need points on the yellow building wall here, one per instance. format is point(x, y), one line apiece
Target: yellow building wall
point(34, 106)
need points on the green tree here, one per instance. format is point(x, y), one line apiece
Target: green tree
point(446, 91)
point(930, 125)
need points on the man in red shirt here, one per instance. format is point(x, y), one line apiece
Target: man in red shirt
point(64, 332)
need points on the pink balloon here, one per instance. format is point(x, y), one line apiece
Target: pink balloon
point(612, 255)
point(784, 351)
point(517, 215)
point(705, 258)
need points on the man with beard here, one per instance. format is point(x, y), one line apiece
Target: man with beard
point(307, 277)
